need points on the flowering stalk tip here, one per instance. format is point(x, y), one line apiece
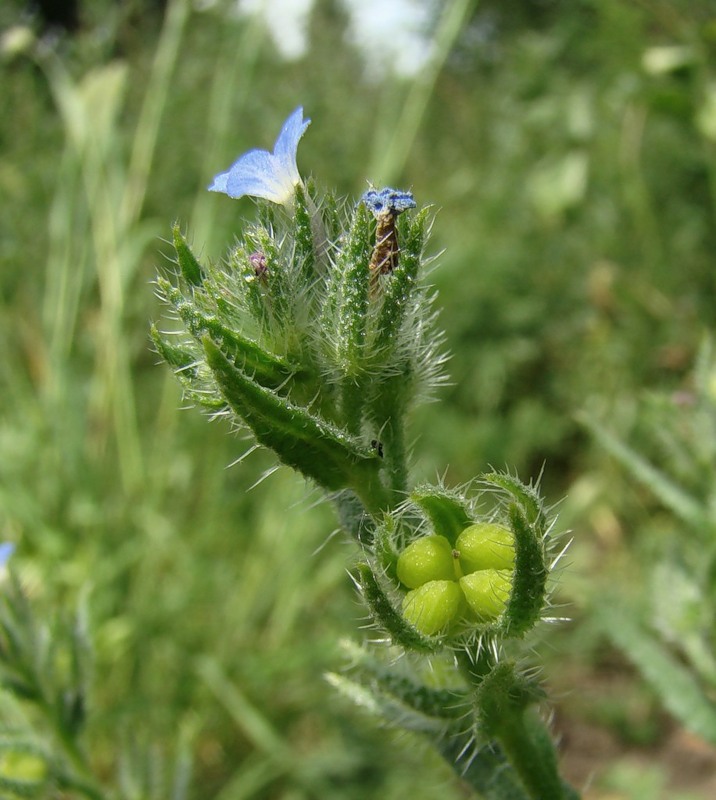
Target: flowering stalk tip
point(271, 176)
point(385, 205)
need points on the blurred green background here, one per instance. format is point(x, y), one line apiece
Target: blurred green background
point(569, 148)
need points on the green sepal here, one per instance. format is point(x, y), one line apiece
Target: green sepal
point(303, 254)
point(438, 703)
point(266, 368)
point(329, 212)
point(190, 267)
point(447, 511)
point(351, 321)
point(528, 498)
point(529, 577)
point(180, 358)
point(299, 439)
point(384, 549)
point(188, 371)
point(389, 618)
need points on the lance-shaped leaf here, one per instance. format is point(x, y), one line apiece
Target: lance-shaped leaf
point(386, 706)
point(447, 704)
point(300, 439)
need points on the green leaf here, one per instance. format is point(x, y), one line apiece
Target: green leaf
point(670, 494)
point(679, 691)
point(301, 440)
point(385, 706)
point(447, 704)
point(266, 368)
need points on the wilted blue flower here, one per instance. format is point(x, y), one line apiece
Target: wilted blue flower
point(272, 176)
point(388, 201)
point(6, 550)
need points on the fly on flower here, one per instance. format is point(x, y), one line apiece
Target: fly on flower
point(271, 176)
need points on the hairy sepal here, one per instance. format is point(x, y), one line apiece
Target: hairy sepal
point(389, 618)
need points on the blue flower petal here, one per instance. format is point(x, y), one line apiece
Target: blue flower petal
point(272, 176)
point(293, 129)
point(6, 550)
point(255, 174)
point(388, 200)
point(219, 183)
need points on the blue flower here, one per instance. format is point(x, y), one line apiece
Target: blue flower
point(272, 176)
point(6, 550)
point(388, 201)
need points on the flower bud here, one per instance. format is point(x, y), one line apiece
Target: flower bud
point(433, 606)
point(486, 592)
point(429, 558)
point(486, 546)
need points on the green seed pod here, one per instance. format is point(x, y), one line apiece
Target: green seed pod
point(427, 559)
point(486, 546)
point(432, 607)
point(486, 592)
